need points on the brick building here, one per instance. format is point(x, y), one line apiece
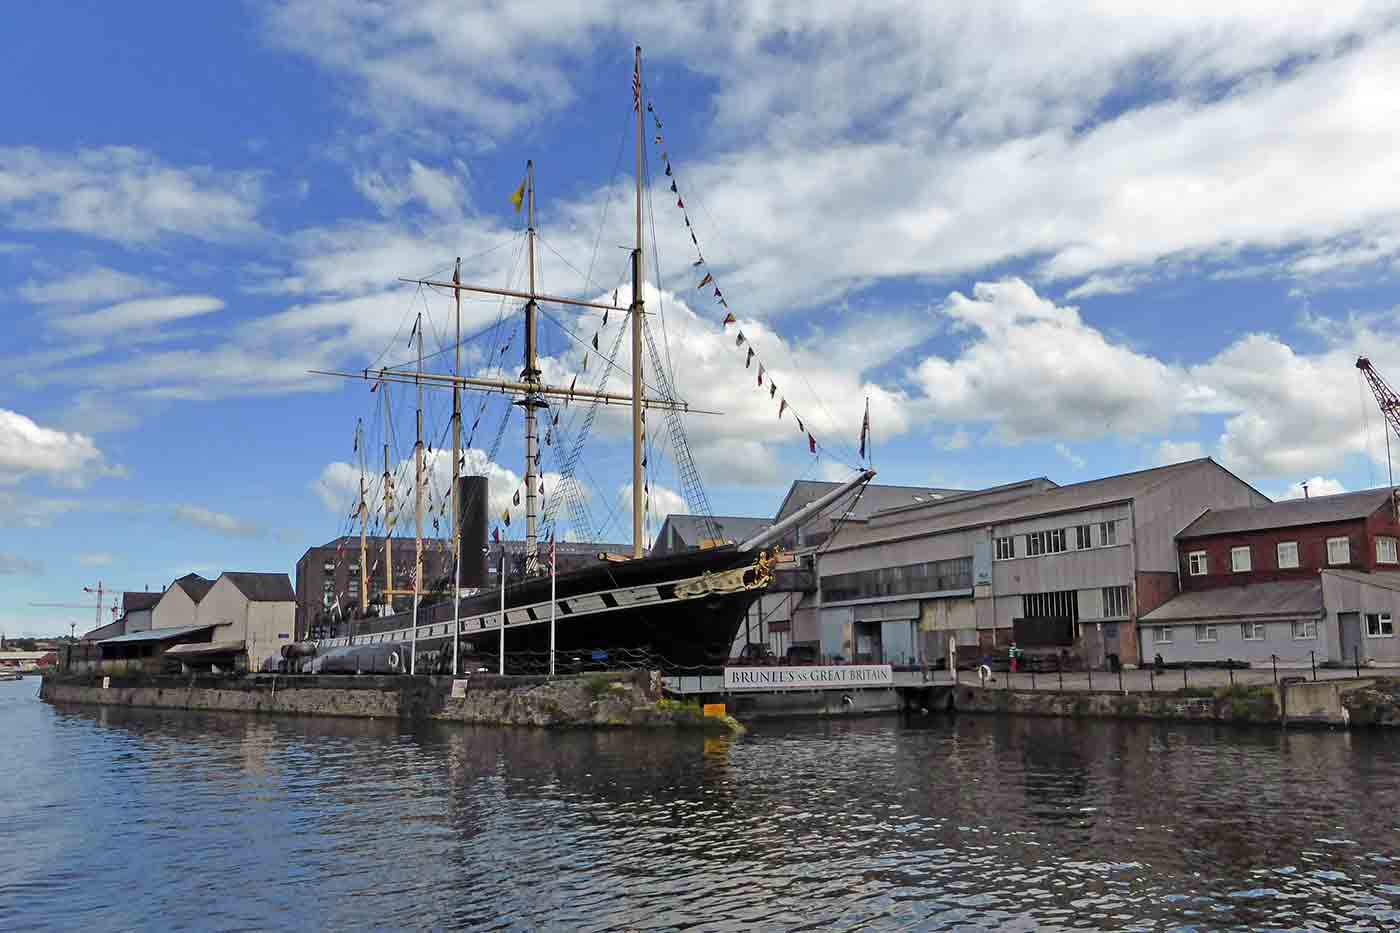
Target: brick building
point(1298, 581)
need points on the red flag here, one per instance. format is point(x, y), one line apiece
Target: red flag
point(680, 202)
point(495, 536)
point(811, 443)
point(729, 319)
point(760, 374)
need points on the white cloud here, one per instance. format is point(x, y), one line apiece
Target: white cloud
point(441, 193)
point(1072, 458)
point(219, 522)
point(1178, 451)
point(18, 509)
point(14, 565)
point(63, 457)
point(92, 286)
point(142, 313)
point(1317, 486)
point(1035, 369)
point(658, 502)
point(124, 194)
point(95, 559)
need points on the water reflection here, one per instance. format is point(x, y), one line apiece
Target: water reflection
point(222, 821)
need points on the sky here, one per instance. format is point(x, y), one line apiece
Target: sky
point(1062, 240)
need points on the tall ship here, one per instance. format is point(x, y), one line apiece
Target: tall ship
point(674, 611)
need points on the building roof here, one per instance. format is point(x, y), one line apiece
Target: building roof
point(694, 531)
point(263, 587)
point(105, 631)
point(157, 634)
point(208, 647)
point(1317, 510)
point(875, 497)
point(1279, 599)
point(195, 586)
point(136, 602)
point(1385, 579)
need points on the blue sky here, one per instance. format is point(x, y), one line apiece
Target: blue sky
point(1064, 244)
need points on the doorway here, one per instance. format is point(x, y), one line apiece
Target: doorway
point(1350, 625)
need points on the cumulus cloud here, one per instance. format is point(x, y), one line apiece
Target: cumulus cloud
point(1178, 451)
point(27, 511)
point(124, 194)
point(218, 522)
point(64, 458)
point(142, 313)
point(14, 565)
point(91, 286)
point(1317, 486)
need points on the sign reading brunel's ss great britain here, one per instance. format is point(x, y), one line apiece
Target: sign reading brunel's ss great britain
point(807, 678)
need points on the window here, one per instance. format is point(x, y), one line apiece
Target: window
point(1338, 551)
point(1252, 631)
point(930, 577)
point(328, 566)
point(1287, 554)
point(1115, 602)
point(1162, 635)
point(1196, 561)
point(1061, 604)
point(1108, 533)
point(1045, 542)
point(1379, 626)
point(1083, 540)
point(1305, 630)
point(1385, 551)
point(1205, 633)
point(1005, 548)
point(1239, 560)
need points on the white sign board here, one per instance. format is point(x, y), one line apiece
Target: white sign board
point(808, 678)
point(459, 689)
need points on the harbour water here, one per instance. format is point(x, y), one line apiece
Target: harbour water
point(121, 819)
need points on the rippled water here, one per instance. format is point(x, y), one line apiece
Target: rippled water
point(134, 819)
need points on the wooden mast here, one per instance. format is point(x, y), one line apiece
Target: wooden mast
point(418, 502)
point(364, 521)
point(531, 377)
point(636, 314)
point(456, 419)
point(388, 514)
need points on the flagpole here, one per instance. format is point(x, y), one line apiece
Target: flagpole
point(636, 314)
point(552, 575)
point(501, 665)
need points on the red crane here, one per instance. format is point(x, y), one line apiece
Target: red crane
point(1389, 404)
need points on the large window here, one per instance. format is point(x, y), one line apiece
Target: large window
point(1196, 563)
point(929, 577)
point(1083, 537)
point(1240, 560)
point(1379, 625)
point(1338, 551)
point(1305, 630)
point(1108, 533)
point(1252, 631)
point(1045, 542)
point(1385, 551)
point(1061, 604)
point(1287, 554)
point(1162, 635)
point(1005, 548)
point(1115, 602)
point(1205, 633)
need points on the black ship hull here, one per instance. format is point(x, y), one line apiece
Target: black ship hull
point(673, 612)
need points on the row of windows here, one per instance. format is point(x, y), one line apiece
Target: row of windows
point(1061, 604)
point(1056, 540)
point(1249, 631)
point(928, 577)
point(1286, 553)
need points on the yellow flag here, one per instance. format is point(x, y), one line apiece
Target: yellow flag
point(517, 197)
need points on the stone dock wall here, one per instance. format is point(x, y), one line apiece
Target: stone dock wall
point(1360, 702)
point(600, 700)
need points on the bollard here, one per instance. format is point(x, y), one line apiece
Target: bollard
point(1032, 678)
point(1356, 659)
point(1313, 655)
point(1059, 669)
point(1090, 669)
point(1184, 684)
point(1230, 667)
point(1120, 678)
point(1274, 659)
point(1151, 680)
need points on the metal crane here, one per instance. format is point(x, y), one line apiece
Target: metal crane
point(1389, 404)
point(95, 590)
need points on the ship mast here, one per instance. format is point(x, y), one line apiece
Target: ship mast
point(456, 417)
point(388, 514)
point(530, 375)
point(364, 521)
point(636, 315)
point(418, 502)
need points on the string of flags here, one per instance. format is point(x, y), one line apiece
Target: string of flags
point(708, 281)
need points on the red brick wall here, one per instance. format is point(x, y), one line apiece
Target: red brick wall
point(1312, 551)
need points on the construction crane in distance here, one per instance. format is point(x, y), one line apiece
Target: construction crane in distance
point(1389, 404)
point(96, 591)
